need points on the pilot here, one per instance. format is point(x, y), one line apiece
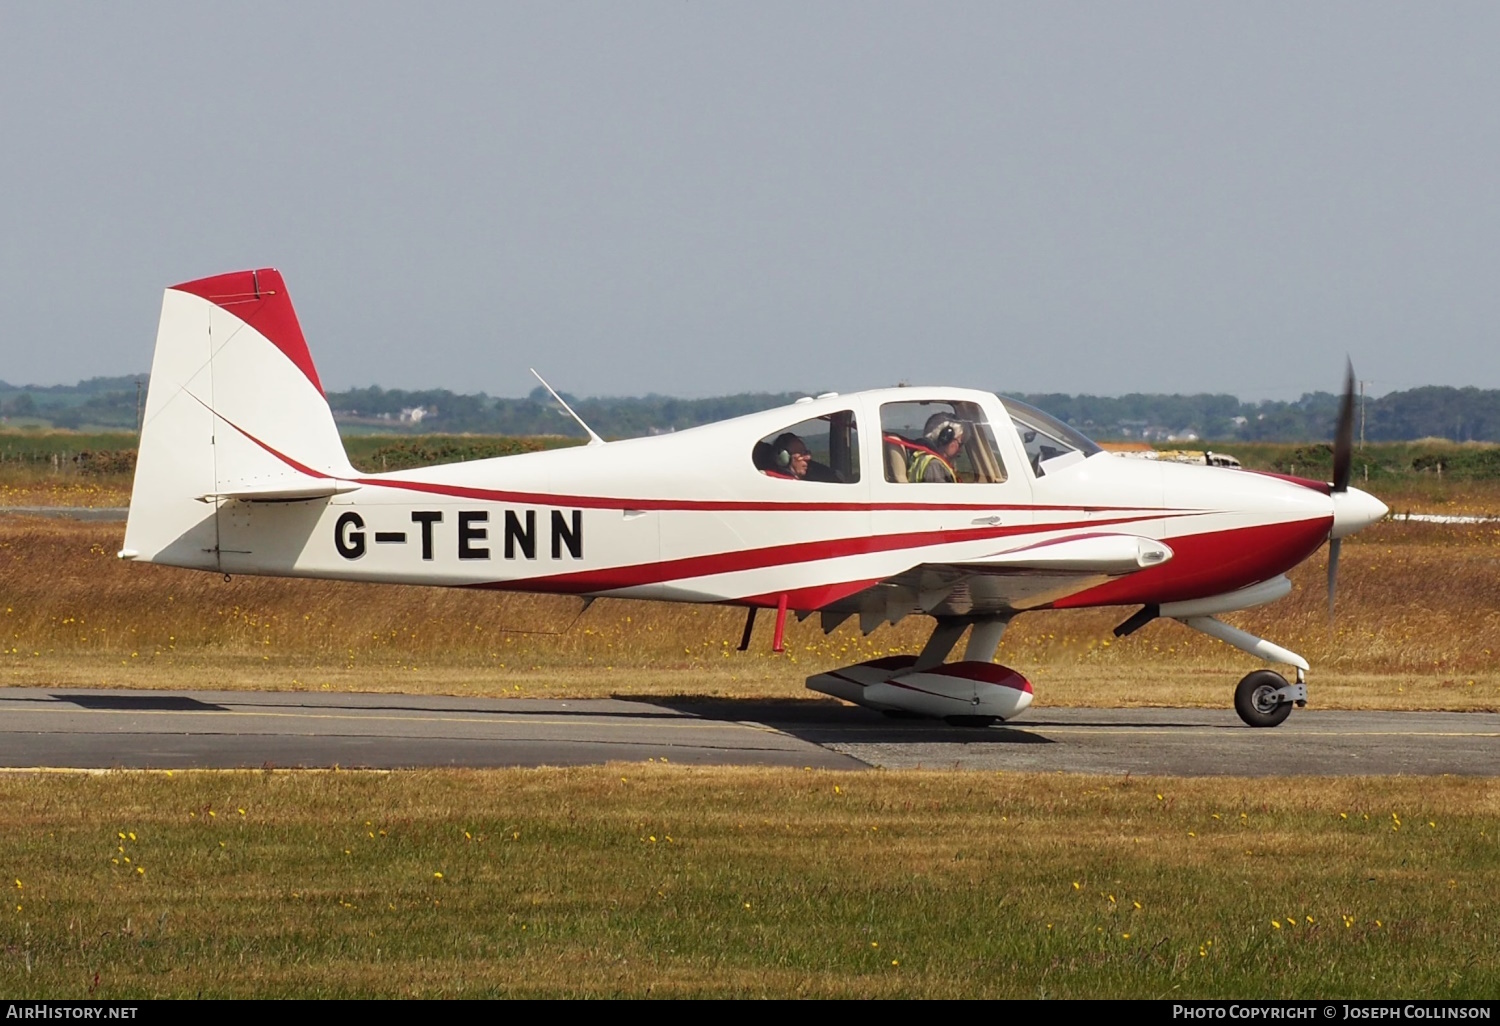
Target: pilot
point(790, 457)
point(944, 435)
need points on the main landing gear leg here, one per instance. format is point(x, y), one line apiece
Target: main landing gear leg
point(985, 639)
point(1263, 698)
point(944, 636)
point(983, 642)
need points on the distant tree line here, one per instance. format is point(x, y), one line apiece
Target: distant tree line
point(1459, 414)
point(96, 402)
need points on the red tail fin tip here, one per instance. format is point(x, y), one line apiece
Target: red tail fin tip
point(260, 299)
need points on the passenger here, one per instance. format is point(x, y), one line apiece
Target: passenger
point(790, 457)
point(944, 435)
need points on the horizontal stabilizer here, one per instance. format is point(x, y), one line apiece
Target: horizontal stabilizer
point(1110, 554)
point(280, 492)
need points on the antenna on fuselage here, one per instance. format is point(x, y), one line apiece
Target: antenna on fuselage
point(594, 439)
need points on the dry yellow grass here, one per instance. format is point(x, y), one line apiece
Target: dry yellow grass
point(1418, 627)
point(30, 487)
point(1423, 494)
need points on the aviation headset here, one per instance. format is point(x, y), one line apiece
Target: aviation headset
point(947, 431)
point(782, 449)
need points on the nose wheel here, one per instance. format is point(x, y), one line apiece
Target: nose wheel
point(1263, 698)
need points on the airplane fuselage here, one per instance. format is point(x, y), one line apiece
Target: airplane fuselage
point(687, 517)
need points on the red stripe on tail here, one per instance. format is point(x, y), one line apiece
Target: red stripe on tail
point(259, 298)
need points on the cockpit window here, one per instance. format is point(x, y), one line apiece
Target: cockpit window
point(1050, 444)
point(938, 442)
point(822, 449)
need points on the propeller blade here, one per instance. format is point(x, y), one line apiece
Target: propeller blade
point(1343, 436)
point(1333, 573)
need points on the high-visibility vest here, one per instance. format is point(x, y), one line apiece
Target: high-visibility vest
point(924, 458)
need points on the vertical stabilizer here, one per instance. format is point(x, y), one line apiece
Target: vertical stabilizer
point(235, 403)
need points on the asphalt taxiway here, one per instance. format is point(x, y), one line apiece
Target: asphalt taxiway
point(104, 729)
point(106, 514)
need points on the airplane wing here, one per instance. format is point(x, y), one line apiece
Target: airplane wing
point(1001, 583)
point(1109, 554)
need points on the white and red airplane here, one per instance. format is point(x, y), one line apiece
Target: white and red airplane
point(948, 502)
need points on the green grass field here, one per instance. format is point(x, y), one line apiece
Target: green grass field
point(650, 880)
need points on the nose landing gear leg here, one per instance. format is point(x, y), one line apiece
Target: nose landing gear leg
point(1263, 698)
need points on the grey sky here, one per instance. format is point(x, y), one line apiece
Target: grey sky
point(699, 198)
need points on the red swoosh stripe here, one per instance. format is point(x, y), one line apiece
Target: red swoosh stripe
point(301, 468)
point(733, 505)
point(636, 575)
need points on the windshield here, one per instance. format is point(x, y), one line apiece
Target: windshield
point(1049, 442)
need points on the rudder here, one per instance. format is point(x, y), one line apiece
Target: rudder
point(235, 403)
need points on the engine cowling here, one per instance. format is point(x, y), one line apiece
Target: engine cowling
point(952, 689)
